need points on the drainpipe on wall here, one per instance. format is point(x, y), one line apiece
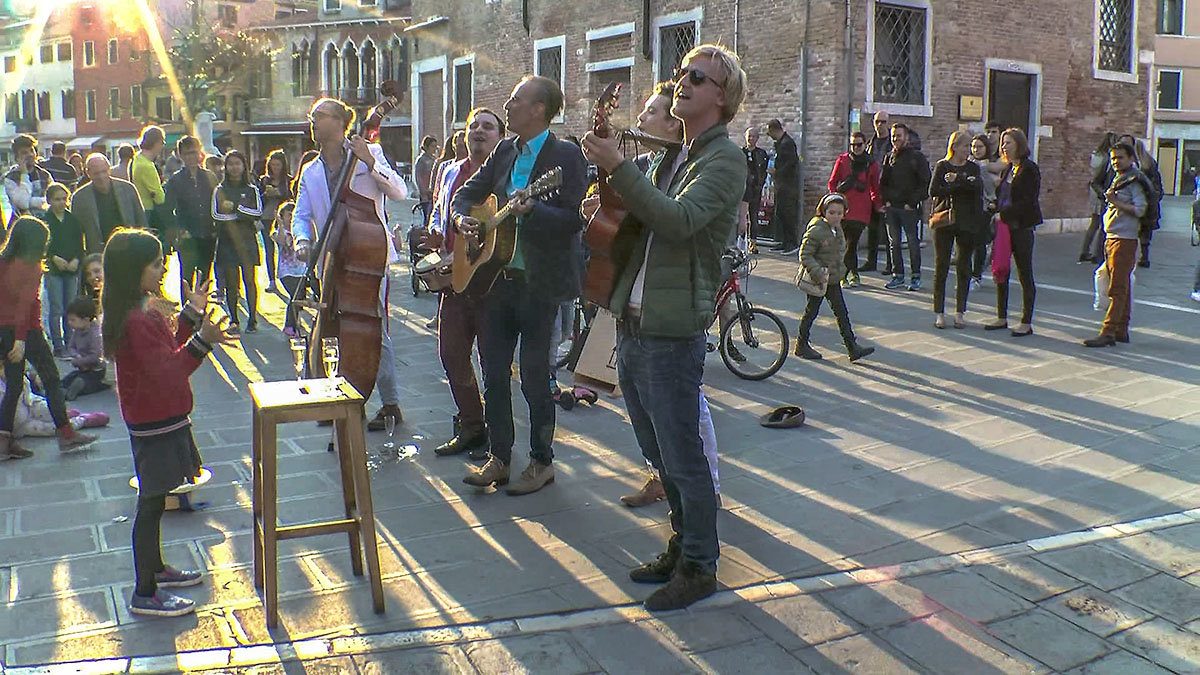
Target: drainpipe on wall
point(848, 59)
point(646, 30)
point(804, 101)
point(737, 13)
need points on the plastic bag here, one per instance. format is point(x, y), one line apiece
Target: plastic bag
point(1101, 281)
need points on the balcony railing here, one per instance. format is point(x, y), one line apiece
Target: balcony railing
point(25, 125)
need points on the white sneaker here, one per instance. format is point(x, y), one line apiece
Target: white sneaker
point(1195, 295)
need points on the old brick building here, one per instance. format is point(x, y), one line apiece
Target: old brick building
point(1065, 71)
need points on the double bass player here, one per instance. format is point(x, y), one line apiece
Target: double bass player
point(374, 179)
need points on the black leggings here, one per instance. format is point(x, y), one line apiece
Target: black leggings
point(1022, 253)
point(853, 230)
point(37, 352)
point(837, 302)
point(231, 276)
point(147, 544)
point(943, 240)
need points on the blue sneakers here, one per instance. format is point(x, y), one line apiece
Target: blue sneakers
point(896, 283)
point(161, 603)
point(176, 578)
point(914, 284)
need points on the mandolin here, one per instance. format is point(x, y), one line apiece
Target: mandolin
point(478, 260)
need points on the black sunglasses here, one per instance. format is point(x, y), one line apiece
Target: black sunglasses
point(857, 144)
point(696, 77)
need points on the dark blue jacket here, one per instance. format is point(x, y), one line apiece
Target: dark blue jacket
point(549, 234)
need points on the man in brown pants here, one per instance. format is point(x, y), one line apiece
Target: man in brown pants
point(460, 314)
point(1127, 203)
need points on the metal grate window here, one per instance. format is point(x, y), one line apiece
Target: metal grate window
point(1116, 36)
point(900, 37)
point(549, 63)
point(674, 42)
point(464, 90)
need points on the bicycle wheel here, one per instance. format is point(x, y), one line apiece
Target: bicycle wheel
point(754, 345)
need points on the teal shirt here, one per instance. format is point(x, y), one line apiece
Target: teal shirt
point(519, 180)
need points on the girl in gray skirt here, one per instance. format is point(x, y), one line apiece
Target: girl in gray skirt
point(154, 363)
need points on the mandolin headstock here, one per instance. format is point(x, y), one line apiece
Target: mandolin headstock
point(602, 110)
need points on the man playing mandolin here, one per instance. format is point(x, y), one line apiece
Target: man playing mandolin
point(373, 178)
point(668, 268)
point(523, 301)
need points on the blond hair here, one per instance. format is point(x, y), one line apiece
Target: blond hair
point(734, 86)
point(955, 138)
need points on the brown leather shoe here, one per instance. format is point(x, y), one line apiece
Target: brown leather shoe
point(494, 472)
point(11, 449)
point(689, 584)
point(533, 478)
point(377, 423)
point(651, 492)
point(660, 569)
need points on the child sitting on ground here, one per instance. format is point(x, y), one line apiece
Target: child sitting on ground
point(33, 414)
point(85, 350)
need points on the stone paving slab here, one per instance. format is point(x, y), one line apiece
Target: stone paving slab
point(944, 442)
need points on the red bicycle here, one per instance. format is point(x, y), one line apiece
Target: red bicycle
point(754, 343)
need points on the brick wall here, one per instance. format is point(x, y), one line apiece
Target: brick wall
point(1076, 107)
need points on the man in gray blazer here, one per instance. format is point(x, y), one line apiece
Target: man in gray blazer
point(104, 204)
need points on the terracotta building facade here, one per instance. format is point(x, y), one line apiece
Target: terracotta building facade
point(1065, 72)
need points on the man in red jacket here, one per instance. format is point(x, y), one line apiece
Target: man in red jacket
point(856, 176)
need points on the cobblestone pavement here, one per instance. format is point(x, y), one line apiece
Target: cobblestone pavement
point(944, 442)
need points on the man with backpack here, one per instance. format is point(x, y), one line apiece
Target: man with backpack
point(1129, 197)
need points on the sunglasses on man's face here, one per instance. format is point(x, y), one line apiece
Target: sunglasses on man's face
point(696, 77)
point(857, 144)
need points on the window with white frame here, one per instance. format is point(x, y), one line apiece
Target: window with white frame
point(46, 54)
point(464, 88)
point(333, 69)
point(112, 51)
point(89, 53)
point(550, 60)
point(1170, 17)
point(333, 5)
point(367, 3)
point(1115, 30)
point(64, 51)
point(900, 63)
point(1170, 89)
point(137, 102)
point(301, 60)
point(89, 105)
point(674, 42)
point(114, 103)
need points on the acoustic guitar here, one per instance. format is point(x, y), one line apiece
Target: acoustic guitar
point(479, 260)
point(604, 224)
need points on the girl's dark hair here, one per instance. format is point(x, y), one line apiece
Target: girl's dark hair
point(831, 198)
point(27, 240)
point(82, 307)
point(279, 154)
point(448, 151)
point(245, 167)
point(305, 160)
point(126, 256)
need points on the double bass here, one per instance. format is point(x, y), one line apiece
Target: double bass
point(351, 257)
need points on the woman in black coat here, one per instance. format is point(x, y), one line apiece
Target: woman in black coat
point(237, 206)
point(1019, 195)
point(957, 192)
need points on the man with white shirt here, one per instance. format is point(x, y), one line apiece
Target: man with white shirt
point(373, 178)
point(668, 268)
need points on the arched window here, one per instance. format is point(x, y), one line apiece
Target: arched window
point(350, 72)
point(301, 60)
point(370, 72)
point(333, 70)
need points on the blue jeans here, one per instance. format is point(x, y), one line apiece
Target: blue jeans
point(61, 289)
point(660, 380)
point(903, 220)
point(385, 381)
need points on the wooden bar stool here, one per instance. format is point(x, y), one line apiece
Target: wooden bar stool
point(309, 401)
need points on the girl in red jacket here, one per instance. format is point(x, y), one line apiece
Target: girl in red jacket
point(22, 261)
point(153, 367)
point(856, 176)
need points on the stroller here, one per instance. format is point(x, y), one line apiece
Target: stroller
point(416, 236)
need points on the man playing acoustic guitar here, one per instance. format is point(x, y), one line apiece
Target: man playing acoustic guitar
point(668, 264)
point(523, 302)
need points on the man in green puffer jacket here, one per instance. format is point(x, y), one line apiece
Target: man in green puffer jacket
point(668, 270)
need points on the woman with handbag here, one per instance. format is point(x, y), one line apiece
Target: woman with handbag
point(1019, 200)
point(856, 176)
point(957, 192)
point(821, 268)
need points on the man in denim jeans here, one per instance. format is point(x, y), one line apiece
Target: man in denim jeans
point(904, 184)
point(668, 269)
